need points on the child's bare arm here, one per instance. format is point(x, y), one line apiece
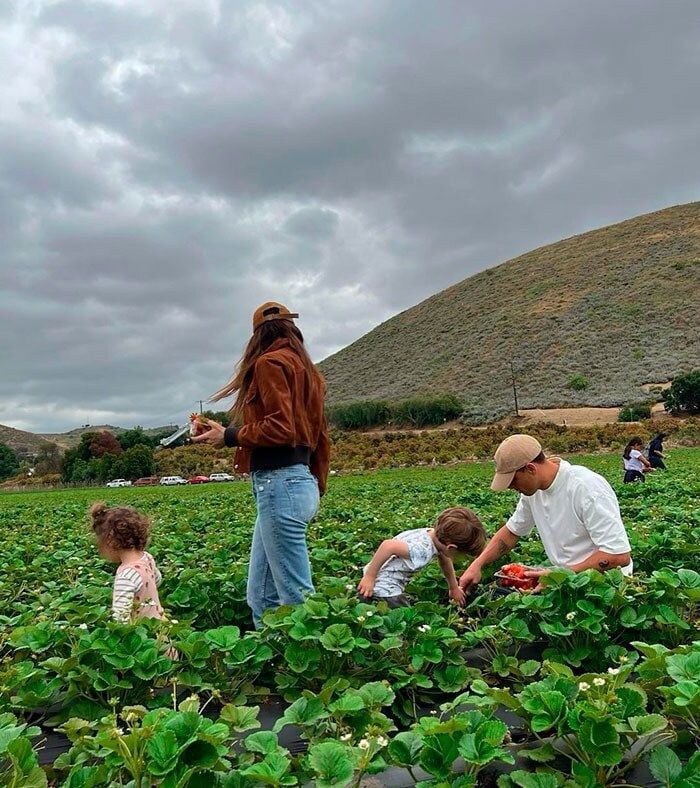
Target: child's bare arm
point(448, 570)
point(386, 549)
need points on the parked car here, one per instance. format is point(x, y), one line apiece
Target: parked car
point(119, 483)
point(172, 480)
point(222, 477)
point(198, 480)
point(145, 481)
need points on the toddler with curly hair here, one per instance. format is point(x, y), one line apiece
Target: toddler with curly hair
point(122, 536)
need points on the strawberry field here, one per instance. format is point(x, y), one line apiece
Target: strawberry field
point(594, 682)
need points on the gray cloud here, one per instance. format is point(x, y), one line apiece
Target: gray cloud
point(164, 167)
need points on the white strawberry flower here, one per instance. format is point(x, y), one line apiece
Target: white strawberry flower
point(584, 686)
point(599, 682)
point(346, 737)
point(613, 671)
point(363, 744)
point(382, 741)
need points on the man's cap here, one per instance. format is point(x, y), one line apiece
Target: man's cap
point(271, 310)
point(514, 452)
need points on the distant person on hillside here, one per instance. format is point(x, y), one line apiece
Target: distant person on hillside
point(575, 511)
point(457, 531)
point(122, 536)
point(634, 461)
point(279, 427)
point(656, 452)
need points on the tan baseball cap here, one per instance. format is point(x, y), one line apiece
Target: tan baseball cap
point(513, 453)
point(271, 310)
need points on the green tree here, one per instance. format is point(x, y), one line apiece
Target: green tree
point(136, 461)
point(684, 394)
point(135, 437)
point(9, 462)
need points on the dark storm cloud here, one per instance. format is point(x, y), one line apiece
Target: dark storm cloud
point(165, 166)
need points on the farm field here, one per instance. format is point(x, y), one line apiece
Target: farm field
point(593, 682)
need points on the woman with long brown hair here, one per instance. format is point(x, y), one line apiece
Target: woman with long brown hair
point(279, 428)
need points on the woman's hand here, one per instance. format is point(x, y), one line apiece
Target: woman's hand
point(214, 436)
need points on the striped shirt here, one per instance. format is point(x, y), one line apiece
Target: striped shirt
point(136, 584)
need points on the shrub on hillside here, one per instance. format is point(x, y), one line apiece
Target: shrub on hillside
point(684, 394)
point(634, 412)
point(368, 413)
point(412, 412)
point(578, 383)
point(426, 411)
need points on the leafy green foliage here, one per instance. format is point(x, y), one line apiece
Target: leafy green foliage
point(684, 394)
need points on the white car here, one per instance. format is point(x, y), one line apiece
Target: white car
point(222, 477)
point(119, 483)
point(173, 480)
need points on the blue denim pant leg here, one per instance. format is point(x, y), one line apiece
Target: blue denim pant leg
point(286, 499)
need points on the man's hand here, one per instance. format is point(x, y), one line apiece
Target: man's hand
point(470, 577)
point(458, 596)
point(366, 586)
point(214, 436)
point(536, 574)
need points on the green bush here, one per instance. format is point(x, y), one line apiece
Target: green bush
point(415, 412)
point(577, 382)
point(684, 394)
point(368, 413)
point(634, 412)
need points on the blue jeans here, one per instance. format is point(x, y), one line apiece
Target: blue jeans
point(279, 572)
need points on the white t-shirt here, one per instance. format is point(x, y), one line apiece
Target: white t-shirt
point(395, 573)
point(575, 516)
point(633, 463)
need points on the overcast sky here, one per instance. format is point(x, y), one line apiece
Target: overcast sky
point(167, 165)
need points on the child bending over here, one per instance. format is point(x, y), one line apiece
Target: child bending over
point(457, 531)
point(122, 535)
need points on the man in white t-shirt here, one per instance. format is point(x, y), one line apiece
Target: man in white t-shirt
point(575, 511)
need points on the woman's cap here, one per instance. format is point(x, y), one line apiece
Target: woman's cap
point(513, 453)
point(271, 310)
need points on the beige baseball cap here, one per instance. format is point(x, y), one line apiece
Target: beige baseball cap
point(271, 310)
point(513, 453)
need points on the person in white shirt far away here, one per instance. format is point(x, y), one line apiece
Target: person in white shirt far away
point(574, 509)
point(634, 461)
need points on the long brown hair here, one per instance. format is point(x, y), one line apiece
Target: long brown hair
point(263, 336)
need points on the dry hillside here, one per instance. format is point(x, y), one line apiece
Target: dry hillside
point(619, 306)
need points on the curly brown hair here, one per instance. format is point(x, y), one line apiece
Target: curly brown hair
point(120, 527)
point(462, 528)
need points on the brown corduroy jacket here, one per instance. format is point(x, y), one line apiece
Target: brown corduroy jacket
point(283, 407)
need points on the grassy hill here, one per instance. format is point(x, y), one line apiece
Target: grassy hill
point(24, 444)
point(28, 444)
point(619, 307)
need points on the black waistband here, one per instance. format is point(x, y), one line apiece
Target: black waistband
point(269, 458)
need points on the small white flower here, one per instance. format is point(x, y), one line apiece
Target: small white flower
point(433, 711)
point(349, 587)
point(584, 686)
point(424, 628)
point(570, 616)
point(370, 613)
point(119, 731)
point(346, 737)
point(613, 671)
point(361, 619)
point(82, 626)
point(363, 744)
point(382, 741)
point(599, 682)
point(174, 621)
point(623, 659)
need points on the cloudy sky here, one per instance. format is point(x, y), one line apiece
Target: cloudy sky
point(166, 165)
